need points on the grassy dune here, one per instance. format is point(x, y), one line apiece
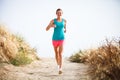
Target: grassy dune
point(103, 62)
point(14, 49)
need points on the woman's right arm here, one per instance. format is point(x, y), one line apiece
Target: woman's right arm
point(51, 24)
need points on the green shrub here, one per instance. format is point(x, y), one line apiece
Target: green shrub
point(77, 57)
point(21, 59)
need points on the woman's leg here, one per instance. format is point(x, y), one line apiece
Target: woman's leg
point(60, 50)
point(56, 54)
point(60, 55)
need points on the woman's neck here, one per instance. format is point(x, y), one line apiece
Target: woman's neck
point(59, 19)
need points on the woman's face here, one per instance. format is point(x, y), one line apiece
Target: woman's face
point(59, 13)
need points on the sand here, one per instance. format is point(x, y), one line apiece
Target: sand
point(44, 69)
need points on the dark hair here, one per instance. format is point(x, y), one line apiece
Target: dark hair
point(58, 10)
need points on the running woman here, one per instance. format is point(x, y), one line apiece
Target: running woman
point(59, 25)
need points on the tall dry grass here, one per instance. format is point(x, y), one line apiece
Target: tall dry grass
point(14, 49)
point(103, 62)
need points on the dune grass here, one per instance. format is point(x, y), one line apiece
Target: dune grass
point(77, 57)
point(21, 59)
point(103, 62)
point(14, 49)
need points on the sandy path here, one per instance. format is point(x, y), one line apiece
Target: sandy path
point(45, 69)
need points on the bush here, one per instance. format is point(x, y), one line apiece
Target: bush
point(21, 59)
point(14, 49)
point(104, 62)
point(77, 57)
point(24, 50)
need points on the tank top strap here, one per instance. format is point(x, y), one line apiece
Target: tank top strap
point(55, 20)
point(63, 20)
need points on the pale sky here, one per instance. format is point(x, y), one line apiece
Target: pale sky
point(89, 22)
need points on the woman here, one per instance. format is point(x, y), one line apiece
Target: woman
point(59, 25)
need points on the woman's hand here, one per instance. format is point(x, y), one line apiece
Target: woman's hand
point(50, 25)
point(65, 31)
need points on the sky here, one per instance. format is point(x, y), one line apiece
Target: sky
point(89, 22)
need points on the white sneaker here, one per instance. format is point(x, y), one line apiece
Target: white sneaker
point(58, 67)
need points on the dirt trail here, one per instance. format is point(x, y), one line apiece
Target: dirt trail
point(45, 69)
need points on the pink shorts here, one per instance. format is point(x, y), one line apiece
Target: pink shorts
point(57, 43)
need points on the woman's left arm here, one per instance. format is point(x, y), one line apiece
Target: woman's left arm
point(65, 26)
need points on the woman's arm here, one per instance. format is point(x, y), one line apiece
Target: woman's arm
point(51, 24)
point(65, 26)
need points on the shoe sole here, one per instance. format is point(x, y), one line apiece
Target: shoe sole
point(60, 72)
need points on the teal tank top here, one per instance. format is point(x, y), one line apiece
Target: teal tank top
point(58, 33)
